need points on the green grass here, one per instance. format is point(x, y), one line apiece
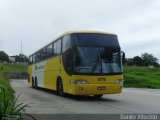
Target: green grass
point(4, 83)
point(10, 107)
point(13, 67)
point(142, 77)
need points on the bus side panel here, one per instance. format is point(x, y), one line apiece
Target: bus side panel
point(38, 73)
point(52, 70)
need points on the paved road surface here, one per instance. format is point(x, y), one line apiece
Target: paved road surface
point(132, 100)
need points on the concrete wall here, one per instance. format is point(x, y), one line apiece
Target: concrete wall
point(22, 75)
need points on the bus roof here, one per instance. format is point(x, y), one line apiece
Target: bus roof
point(87, 31)
point(72, 32)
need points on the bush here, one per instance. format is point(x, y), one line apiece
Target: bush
point(9, 106)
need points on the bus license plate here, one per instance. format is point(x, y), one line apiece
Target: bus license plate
point(101, 88)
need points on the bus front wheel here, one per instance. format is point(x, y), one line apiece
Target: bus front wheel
point(98, 96)
point(60, 87)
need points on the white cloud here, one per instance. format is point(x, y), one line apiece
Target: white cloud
point(37, 22)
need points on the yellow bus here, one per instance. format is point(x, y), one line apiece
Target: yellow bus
point(79, 63)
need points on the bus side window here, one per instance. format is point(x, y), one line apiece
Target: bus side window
point(57, 47)
point(43, 54)
point(38, 56)
point(53, 51)
point(68, 61)
point(30, 60)
point(34, 58)
point(49, 51)
point(66, 43)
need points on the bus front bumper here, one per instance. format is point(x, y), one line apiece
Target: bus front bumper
point(95, 89)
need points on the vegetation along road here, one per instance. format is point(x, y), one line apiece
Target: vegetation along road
point(132, 100)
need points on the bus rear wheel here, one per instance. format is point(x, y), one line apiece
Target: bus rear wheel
point(98, 96)
point(36, 84)
point(60, 87)
point(32, 82)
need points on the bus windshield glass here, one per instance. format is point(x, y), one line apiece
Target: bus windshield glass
point(97, 60)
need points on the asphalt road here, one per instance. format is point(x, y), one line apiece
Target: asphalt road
point(132, 100)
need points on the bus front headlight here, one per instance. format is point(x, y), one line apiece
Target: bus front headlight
point(78, 82)
point(119, 81)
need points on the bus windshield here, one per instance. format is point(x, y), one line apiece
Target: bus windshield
point(97, 60)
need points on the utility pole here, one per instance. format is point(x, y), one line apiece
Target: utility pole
point(21, 52)
point(21, 47)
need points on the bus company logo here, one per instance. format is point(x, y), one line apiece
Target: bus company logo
point(101, 79)
point(38, 67)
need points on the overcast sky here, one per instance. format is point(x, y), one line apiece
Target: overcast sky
point(37, 22)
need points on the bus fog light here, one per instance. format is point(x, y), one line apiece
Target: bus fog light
point(119, 81)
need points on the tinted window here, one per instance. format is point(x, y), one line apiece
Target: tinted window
point(91, 39)
point(97, 60)
point(49, 50)
point(66, 43)
point(38, 56)
point(34, 58)
point(43, 54)
point(68, 61)
point(57, 47)
point(53, 52)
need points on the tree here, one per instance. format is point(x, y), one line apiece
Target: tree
point(21, 58)
point(138, 61)
point(4, 56)
point(149, 59)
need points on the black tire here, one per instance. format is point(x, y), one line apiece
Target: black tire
point(28, 78)
point(36, 84)
point(98, 96)
point(60, 87)
point(32, 83)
